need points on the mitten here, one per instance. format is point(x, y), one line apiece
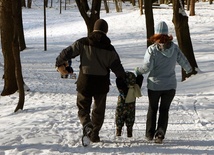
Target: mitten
point(62, 70)
point(137, 72)
point(69, 69)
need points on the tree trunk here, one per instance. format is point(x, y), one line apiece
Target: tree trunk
point(10, 85)
point(46, 3)
point(192, 8)
point(16, 53)
point(141, 6)
point(188, 5)
point(149, 19)
point(106, 6)
point(118, 5)
point(23, 3)
point(183, 36)
point(133, 2)
point(29, 3)
point(10, 48)
point(90, 16)
point(21, 37)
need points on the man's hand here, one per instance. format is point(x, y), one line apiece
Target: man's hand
point(62, 69)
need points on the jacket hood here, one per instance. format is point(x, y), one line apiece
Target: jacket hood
point(99, 40)
point(166, 49)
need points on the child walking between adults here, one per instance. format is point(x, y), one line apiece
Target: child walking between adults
point(125, 110)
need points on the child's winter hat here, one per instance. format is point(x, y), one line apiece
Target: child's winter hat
point(161, 28)
point(101, 25)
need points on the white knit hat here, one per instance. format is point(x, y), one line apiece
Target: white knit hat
point(161, 28)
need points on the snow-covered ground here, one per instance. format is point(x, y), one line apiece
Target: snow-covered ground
point(48, 125)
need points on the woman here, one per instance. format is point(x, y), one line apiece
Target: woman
point(160, 60)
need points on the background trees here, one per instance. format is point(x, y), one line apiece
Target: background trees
point(89, 13)
point(12, 36)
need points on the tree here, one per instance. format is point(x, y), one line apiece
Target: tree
point(23, 3)
point(118, 5)
point(10, 48)
point(180, 21)
point(192, 8)
point(10, 85)
point(29, 3)
point(106, 6)
point(21, 38)
point(149, 19)
point(90, 15)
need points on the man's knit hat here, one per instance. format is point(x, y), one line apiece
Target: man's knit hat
point(101, 25)
point(161, 28)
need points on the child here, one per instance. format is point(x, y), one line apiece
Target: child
point(125, 111)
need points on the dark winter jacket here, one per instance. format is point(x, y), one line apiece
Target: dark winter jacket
point(97, 58)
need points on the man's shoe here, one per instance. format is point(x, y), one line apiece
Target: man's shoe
point(94, 137)
point(149, 138)
point(159, 136)
point(87, 130)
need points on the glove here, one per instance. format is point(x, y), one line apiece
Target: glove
point(62, 69)
point(69, 69)
point(137, 72)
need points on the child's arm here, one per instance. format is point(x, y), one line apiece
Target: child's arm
point(139, 80)
point(121, 85)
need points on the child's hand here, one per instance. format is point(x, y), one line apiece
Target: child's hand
point(137, 71)
point(122, 95)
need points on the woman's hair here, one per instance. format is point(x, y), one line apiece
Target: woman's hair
point(160, 38)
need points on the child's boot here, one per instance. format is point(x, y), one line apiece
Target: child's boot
point(118, 131)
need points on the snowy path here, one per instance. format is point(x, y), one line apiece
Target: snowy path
point(49, 124)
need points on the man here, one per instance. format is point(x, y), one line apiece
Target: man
point(97, 58)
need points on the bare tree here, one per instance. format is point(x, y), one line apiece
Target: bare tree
point(23, 3)
point(180, 21)
point(118, 5)
point(29, 3)
point(141, 6)
point(149, 19)
point(106, 6)
point(10, 85)
point(21, 38)
point(192, 8)
point(10, 48)
point(90, 15)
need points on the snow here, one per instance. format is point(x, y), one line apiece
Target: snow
point(49, 125)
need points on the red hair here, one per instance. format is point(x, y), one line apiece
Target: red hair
point(160, 38)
